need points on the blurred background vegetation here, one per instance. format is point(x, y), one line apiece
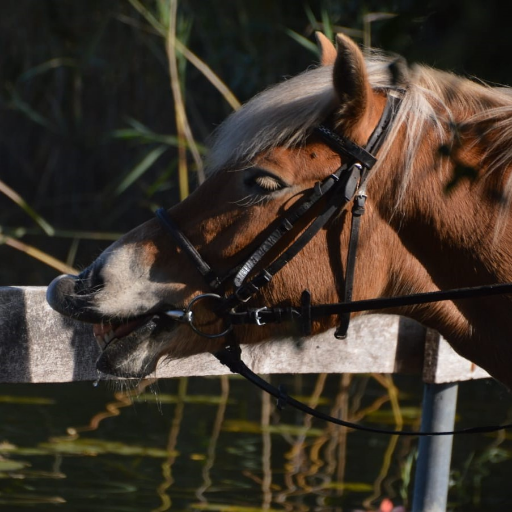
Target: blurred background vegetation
point(105, 104)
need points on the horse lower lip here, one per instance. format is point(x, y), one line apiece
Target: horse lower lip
point(135, 348)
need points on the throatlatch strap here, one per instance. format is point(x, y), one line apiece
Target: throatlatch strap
point(350, 268)
point(374, 144)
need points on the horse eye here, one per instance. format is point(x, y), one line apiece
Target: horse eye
point(268, 183)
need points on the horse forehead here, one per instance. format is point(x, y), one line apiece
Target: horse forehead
point(309, 159)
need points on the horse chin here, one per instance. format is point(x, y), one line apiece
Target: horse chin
point(135, 354)
point(132, 349)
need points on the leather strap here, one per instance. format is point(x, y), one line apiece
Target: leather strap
point(314, 312)
point(184, 244)
point(374, 144)
point(341, 193)
point(230, 356)
point(286, 225)
point(346, 147)
point(350, 267)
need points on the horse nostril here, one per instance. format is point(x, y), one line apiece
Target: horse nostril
point(89, 280)
point(62, 296)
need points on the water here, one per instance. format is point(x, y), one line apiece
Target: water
point(217, 444)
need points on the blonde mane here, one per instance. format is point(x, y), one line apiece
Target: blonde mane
point(433, 100)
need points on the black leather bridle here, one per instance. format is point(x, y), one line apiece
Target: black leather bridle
point(325, 199)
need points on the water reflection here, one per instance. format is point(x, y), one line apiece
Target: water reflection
point(217, 444)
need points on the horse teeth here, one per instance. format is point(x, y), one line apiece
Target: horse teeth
point(108, 337)
point(104, 339)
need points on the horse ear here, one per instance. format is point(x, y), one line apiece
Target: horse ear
point(350, 81)
point(327, 51)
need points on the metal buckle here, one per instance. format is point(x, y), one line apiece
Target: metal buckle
point(257, 317)
point(187, 316)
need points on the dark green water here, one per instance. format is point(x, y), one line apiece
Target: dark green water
point(217, 444)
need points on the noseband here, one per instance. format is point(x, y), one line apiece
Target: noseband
point(330, 196)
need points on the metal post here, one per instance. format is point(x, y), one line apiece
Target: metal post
point(434, 455)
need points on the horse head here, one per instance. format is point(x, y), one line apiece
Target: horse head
point(265, 160)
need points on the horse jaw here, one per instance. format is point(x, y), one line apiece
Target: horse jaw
point(137, 354)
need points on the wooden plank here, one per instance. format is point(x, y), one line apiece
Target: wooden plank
point(444, 365)
point(39, 345)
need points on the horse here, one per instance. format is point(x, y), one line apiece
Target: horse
point(437, 216)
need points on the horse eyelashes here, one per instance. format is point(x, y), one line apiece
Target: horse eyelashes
point(268, 183)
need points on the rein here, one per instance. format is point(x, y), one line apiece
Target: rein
point(330, 196)
point(230, 357)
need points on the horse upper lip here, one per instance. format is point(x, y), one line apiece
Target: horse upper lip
point(62, 296)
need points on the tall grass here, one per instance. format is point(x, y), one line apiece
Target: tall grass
point(160, 19)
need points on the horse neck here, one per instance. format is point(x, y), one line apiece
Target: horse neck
point(452, 239)
point(458, 234)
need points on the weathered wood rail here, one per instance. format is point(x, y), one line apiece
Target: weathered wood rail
point(39, 345)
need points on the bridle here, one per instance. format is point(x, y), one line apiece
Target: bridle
point(326, 199)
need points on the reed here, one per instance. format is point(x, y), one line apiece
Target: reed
point(96, 129)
